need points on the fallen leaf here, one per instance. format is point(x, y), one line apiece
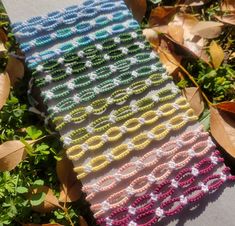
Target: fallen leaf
point(3, 36)
point(50, 201)
point(70, 185)
point(162, 15)
point(195, 2)
point(138, 8)
point(191, 43)
point(226, 106)
point(152, 36)
point(227, 18)
point(82, 221)
point(205, 119)
point(187, 21)
point(15, 69)
point(207, 29)
point(194, 97)
point(11, 154)
point(2, 48)
point(170, 60)
point(228, 5)
point(217, 54)
point(176, 32)
point(223, 130)
point(4, 88)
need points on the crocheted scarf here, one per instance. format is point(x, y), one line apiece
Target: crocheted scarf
point(134, 140)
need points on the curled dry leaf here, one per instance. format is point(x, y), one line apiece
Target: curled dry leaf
point(50, 201)
point(207, 29)
point(217, 54)
point(4, 88)
point(223, 130)
point(15, 69)
point(162, 15)
point(194, 97)
point(138, 8)
point(11, 154)
point(226, 106)
point(70, 185)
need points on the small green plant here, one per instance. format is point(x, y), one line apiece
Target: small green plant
point(218, 84)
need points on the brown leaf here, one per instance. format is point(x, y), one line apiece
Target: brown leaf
point(228, 5)
point(162, 15)
point(194, 97)
point(223, 129)
point(191, 43)
point(3, 36)
point(138, 8)
point(226, 106)
point(82, 221)
point(11, 154)
point(2, 48)
point(50, 202)
point(195, 2)
point(176, 32)
point(70, 185)
point(15, 69)
point(4, 88)
point(170, 60)
point(207, 29)
point(227, 18)
point(152, 36)
point(217, 54)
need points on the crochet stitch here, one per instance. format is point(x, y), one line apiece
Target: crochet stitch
point(116, 109)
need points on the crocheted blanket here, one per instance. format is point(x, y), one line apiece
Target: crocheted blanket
point(134, 140)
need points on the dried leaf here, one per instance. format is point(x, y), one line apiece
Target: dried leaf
point(176, 32)
point(227, 18)
point(138, 8)
point(226, 106)
point(152, 36)
point(223, 130)
point(2, 48)
point(162, 15)
point(194, 97)
point(187, 21)
point(15, 69)
point(11, 154)
point(3, 36)
point(170, 60)
point(217, 54)
point(50, 201)
point(207, 29)
point(195, 2)
point(228, 5)
point(82, 221)
point(4, 88)
point(71, 186)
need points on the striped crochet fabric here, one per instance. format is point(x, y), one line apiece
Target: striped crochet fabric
point(134, 141)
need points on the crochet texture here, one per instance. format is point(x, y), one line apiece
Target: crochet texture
point(132, 137)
